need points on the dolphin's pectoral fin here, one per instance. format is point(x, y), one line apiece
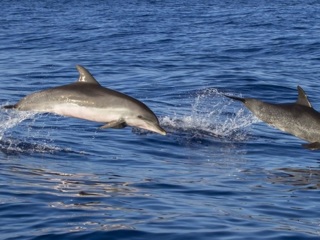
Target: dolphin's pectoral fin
point(312, 146)
point(115, 124)
point(120, 125)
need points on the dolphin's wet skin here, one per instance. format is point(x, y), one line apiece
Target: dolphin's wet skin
point(299, 118)
point(87, 99)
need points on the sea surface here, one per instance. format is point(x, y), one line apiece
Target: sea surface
point(220, 173)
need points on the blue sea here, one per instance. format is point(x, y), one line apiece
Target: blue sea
point(220, 173)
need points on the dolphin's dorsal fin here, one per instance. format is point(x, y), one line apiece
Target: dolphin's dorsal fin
point(302, 98)
point(85, 76)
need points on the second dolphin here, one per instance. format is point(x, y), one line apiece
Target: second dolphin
point(299, 118)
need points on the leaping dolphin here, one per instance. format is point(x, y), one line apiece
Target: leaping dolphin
point(87, 99)
point(299, 118)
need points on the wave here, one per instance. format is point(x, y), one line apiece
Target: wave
point(11, 146)
point(299, 178)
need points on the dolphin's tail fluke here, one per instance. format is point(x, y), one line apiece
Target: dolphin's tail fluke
point(237, 98)
point(9, 106)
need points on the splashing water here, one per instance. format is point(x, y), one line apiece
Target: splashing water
point(10, 144)
point(212, 115)
point(11, 119)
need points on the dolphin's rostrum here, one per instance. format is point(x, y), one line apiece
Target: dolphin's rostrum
point(299, 118)
point(87, 99)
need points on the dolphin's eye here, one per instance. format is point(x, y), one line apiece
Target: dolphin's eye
point(140, 117)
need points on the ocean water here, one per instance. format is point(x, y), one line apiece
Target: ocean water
point(220, 173)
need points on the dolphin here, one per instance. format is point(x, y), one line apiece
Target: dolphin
point(87, 99)
point(299, 118)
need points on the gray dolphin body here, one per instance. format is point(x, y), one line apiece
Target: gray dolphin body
point(87, 99)
point(299, 118)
